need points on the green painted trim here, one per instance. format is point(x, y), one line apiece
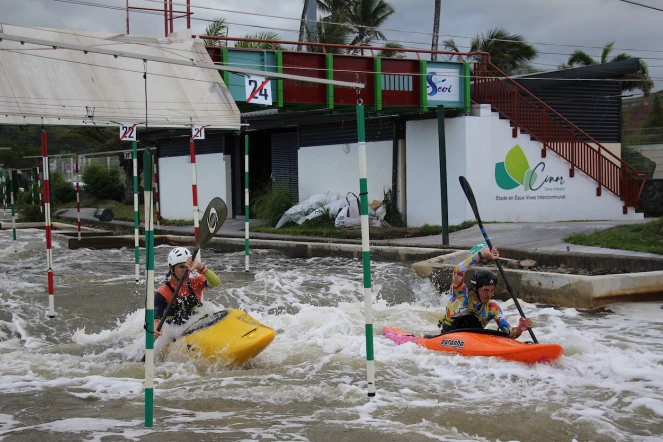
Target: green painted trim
point(329, 64)
point(279, 81)
point(466, 85)
point(225, 56)
point(369, 342)
point(377, 76)
point(147, 170)
point(149, 250)
point(423, 97)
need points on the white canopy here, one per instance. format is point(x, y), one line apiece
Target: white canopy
point(42, 85)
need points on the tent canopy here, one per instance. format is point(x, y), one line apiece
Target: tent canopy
point(41, 85)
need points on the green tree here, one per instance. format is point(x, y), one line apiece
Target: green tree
point(655, 117)
point(509, 52)
point(217, 28)
point(103, 184)
point(638, 80)
point(330, 30)
point(264, 35)
point(365, 17)
point(337, 8)
point(392, 54)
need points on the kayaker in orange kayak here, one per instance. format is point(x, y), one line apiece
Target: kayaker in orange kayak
point(474, 307)
point(190, 296)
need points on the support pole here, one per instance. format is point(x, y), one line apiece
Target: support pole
point(78, 200)
point(442, 145)
point(47, 223)
point(134, 157)
point(194, 189)
point(366, 250)
point(149, 287)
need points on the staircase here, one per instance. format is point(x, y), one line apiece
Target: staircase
point(558, 134)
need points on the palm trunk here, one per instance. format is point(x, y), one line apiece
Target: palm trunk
point(436, 29)
point(302, 25)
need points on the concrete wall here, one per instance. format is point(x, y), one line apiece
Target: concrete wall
point(476, 145)
point(329, 169)
point(175, 196)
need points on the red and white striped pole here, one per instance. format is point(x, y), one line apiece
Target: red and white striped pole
point(156, 184)
point(78, 198)
point(41, 203)
point(47, 224)
point(194, 189)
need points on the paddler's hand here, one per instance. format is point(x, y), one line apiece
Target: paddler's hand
point(523, 325)
point(487, 253)
point(197, 265)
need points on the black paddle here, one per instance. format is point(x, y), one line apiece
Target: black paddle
point(473, 203)
point(213, 219)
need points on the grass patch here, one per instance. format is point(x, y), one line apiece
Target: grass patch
point(376, 233)
point(647, 237)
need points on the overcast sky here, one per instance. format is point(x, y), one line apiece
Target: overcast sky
point(581, 24)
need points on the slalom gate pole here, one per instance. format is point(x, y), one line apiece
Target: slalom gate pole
point(149, 287)
point(47, 223)
point(365, 248)
point(134, 157)
point(11, 199)
point(78, 199)
point(41, 203)
point(246, 203)
point(194, 189)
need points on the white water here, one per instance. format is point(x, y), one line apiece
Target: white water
point(76, 377)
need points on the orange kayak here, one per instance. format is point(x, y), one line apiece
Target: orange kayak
point(478, 342)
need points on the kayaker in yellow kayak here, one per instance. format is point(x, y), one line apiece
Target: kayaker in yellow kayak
point(190, 296)
point(474, 307)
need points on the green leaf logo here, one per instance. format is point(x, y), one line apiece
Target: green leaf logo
point(514, 171)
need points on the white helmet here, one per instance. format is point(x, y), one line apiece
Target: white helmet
point(178, 255)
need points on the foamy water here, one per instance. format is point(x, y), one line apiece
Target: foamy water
point(77, 376)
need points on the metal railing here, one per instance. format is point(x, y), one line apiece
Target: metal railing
point(558, 134)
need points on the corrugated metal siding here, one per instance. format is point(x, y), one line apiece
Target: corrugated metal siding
point(380, 129)
point(178, 147)
point(285, 169)
point(593, 106)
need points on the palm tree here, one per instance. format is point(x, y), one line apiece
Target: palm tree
point(332, 7)
point(508, 52)
point(436, 29)
point(330, 30)
point(640, 80)
point(392, 54)
point(365, 17)
point(264, 35)
point(217, 28)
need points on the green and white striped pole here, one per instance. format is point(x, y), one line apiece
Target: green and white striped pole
point(246, 203)
point(136, 215)
point(149, 284)
point(11, 197)
point(365, 249)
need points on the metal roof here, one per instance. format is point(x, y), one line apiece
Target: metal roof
point(42, 85)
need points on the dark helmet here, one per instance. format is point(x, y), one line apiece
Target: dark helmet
point(483, 278)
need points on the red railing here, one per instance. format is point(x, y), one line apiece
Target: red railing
point(558, 134)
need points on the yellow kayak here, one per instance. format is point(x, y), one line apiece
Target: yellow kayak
point(231, 336)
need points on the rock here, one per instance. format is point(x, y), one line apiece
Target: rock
point(510, 263)
point(527, 263)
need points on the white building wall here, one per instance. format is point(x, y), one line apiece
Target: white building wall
point(329, 169)
point(175, 195)
point(475, 145)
